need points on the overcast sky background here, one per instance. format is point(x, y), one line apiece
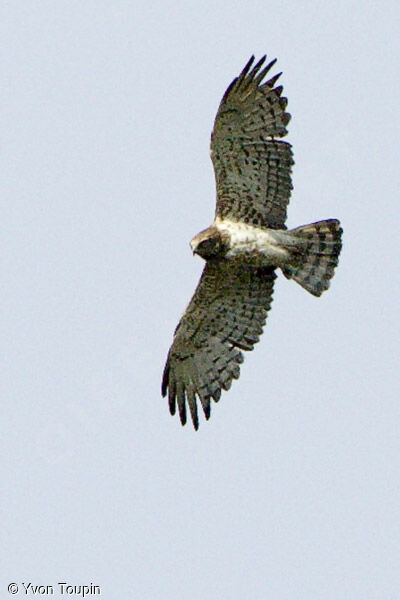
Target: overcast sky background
point(292, 489)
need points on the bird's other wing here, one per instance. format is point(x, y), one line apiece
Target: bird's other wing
point(226, 314)
point(252, 169)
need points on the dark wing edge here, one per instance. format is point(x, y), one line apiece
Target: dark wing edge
point(252, 168)
point(225, 315)
point(248, 88)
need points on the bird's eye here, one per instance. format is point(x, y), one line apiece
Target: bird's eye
point(207, 244)
point(208, 248)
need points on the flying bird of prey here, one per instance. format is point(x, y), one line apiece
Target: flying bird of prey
point(244, 245)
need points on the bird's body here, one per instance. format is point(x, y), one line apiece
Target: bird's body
point(268, 246)
point(244, 245)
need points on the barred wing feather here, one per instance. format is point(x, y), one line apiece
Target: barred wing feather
point(226, 315)
point(252, 169)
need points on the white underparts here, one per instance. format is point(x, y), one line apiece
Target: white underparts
point(269, 243)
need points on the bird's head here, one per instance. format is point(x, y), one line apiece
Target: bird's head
point(208, 243)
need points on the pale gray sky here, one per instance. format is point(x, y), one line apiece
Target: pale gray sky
point(292, 490)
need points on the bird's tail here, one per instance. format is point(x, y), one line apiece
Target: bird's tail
point(317, 255)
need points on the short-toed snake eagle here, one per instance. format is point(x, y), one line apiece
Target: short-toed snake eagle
point(244, 245)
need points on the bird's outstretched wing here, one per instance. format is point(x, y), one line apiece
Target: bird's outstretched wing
point(226, 314)
point(252, 169)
